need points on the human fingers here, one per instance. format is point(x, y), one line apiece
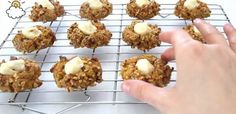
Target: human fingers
point(145, 92)
point(231, 34)
point(169, 54)
point(210, 33)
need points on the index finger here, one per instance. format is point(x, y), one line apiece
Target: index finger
point(176, 37)
point(209, 32)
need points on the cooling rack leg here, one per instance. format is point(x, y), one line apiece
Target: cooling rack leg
point(31, 109)
point(28, 108)
point(74, 106)
point(13, 99)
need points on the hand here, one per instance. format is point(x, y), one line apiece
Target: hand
point(206, 77)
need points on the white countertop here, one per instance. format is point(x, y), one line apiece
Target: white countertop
point(6, 25)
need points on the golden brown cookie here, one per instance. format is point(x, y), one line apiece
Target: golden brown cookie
point(194, 32)
point(19, 78)
point(136, 68)
point(145, 41)
point(200, 11)
point(42, 13)
point(88, 74)
point(143, 12)
point(95, 12)
point(97, 37)
point(32, 41)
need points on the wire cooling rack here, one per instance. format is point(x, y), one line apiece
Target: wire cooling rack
point(108, 92)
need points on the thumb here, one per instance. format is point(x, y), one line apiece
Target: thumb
point(146, 92)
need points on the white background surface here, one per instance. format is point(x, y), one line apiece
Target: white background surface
point(6, 25)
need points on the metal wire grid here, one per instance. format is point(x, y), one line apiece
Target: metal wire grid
point(108, 92)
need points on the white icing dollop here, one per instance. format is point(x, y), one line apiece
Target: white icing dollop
point(191, 4)
point(140, 3)
point(95, 4)
point(141, 28)
point(195, 29)
point(31, 32)
point(46, 3)
point(87, 27)
point(144, 66)
point(12, 67)
point(74, 65)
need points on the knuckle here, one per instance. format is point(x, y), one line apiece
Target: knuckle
point(193, 47)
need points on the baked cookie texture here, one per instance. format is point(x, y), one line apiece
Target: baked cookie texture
point(144, 12)
point(96, 14)
point(145, 41)
point(97, 39)
point(89, 75)
point(22, 80)
point(201, 11)
point(28, 45)
point(196, 35)
point(160, 76)
point(40, 13)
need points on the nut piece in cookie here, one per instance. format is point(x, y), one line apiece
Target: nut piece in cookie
point(77, 73)
point(143, 9)
point(147, 68)
point(33, 39)
point(192, 9)
point(194, 32)
point(88, 34)
point(95, 9)
point(17, 75)
point(46, 10)
point(142, 35)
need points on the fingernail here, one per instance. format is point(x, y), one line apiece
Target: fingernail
point(197, 20)
point(125, 87)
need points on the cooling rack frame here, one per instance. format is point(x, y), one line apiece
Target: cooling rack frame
point(122, 22)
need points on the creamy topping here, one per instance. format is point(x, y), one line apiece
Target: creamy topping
point(87, 27)
point(47, 4)
point(95, 4)
point(12, 67)
point(141, 28)
point(144, 66)
point(74, 65)
point(140, 3)
point(31, 32)
point(191, 4)
point(195, 29)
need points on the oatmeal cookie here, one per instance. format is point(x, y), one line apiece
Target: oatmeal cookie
point(194, 32)
point(46, 11)
point(143, 12)
point(95, 9)
point(18, 75)
point(33, 39)
point(88, 34)
point(76, 73)
point(144, 41)
point(147, 68)
point(199, 11)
